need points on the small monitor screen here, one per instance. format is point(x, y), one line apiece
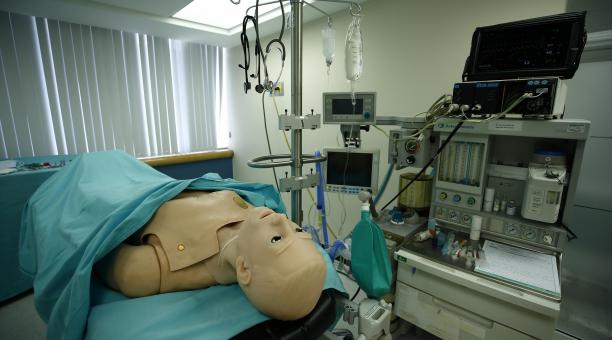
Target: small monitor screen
point(346, 168)
point(345, 107)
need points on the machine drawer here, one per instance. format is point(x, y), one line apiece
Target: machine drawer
point(481, 298)
point(446, 320)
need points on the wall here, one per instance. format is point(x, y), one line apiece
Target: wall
point(598, 19)
point(586, 277)
point(413, 52)
point(599, 13)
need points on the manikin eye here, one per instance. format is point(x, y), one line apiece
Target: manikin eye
point(276, 239)
point(299, 230)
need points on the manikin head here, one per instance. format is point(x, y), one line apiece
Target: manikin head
point(278, 266)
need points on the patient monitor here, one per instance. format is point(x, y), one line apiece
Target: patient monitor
point(351, 170)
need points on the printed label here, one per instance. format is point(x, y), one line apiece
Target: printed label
point(575, 128)
point(505, 126)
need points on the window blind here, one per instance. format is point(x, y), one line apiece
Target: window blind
point(69, 88)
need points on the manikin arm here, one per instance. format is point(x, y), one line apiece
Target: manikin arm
point(143, 270)
point(132, 270)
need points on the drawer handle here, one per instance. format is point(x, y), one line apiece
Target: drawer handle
point(463, 313)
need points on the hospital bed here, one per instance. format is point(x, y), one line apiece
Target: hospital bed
point(65, 232)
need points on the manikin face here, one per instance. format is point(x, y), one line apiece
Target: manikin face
point(270, 234)
point(278, 266)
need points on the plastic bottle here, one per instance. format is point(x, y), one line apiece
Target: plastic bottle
point(353, 54)
point(440, 240)
point(450, 239)
point(488, 199)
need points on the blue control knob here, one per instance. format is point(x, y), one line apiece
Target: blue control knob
point(456, 198)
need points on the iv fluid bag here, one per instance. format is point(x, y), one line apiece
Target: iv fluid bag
point(353, 52)
point(329, 44)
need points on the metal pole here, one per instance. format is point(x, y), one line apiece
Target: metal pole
point(296, 107)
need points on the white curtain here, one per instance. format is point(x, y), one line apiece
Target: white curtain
point(68, 88)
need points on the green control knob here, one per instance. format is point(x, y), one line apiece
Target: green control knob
point(443, 195)
point(471, 201)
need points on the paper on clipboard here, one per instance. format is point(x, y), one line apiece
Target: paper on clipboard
point(525, 267)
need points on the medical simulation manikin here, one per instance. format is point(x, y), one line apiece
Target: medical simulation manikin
point(200, 239)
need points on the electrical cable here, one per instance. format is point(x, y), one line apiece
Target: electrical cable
point(450, 136)
point(263, 108)
point(572, 235)
point(309, 212)
point(381, 130)
point(498, 115)
point(345, 274)
point(438, 104)
point(382, 188)
point(343, 216)
point(355, 295)
point(343, 333)
point(340, 194)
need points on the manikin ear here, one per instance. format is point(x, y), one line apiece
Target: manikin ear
point(243, 272)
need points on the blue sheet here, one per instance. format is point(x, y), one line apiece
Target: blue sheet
point(84, 211)
point(218, 312)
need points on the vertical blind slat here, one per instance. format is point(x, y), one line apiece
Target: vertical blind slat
point(155, 93)
point(121, 116)
point(16, 98)
point(9, 131)
point(106, 74)
point(55, 38)
point(51, 80)
point(147, 94)
point(97, 123)
point(133, 84)
point(168, 84)
point(83, 83)
point(73, 88)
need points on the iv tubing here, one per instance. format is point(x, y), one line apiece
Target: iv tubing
point(321, 202)
point(384, 184)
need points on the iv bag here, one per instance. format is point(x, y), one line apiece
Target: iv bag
point(353, 52)
point(329, 44)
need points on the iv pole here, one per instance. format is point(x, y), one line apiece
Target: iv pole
point(296, 107)
point(296, 122)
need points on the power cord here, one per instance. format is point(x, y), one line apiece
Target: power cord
point(572, 235)
point(265, 120)
point(355, 295)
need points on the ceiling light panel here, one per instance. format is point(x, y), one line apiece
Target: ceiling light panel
point(223, 13)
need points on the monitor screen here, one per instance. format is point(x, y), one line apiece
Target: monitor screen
point(345, 107)
point(349, 168)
